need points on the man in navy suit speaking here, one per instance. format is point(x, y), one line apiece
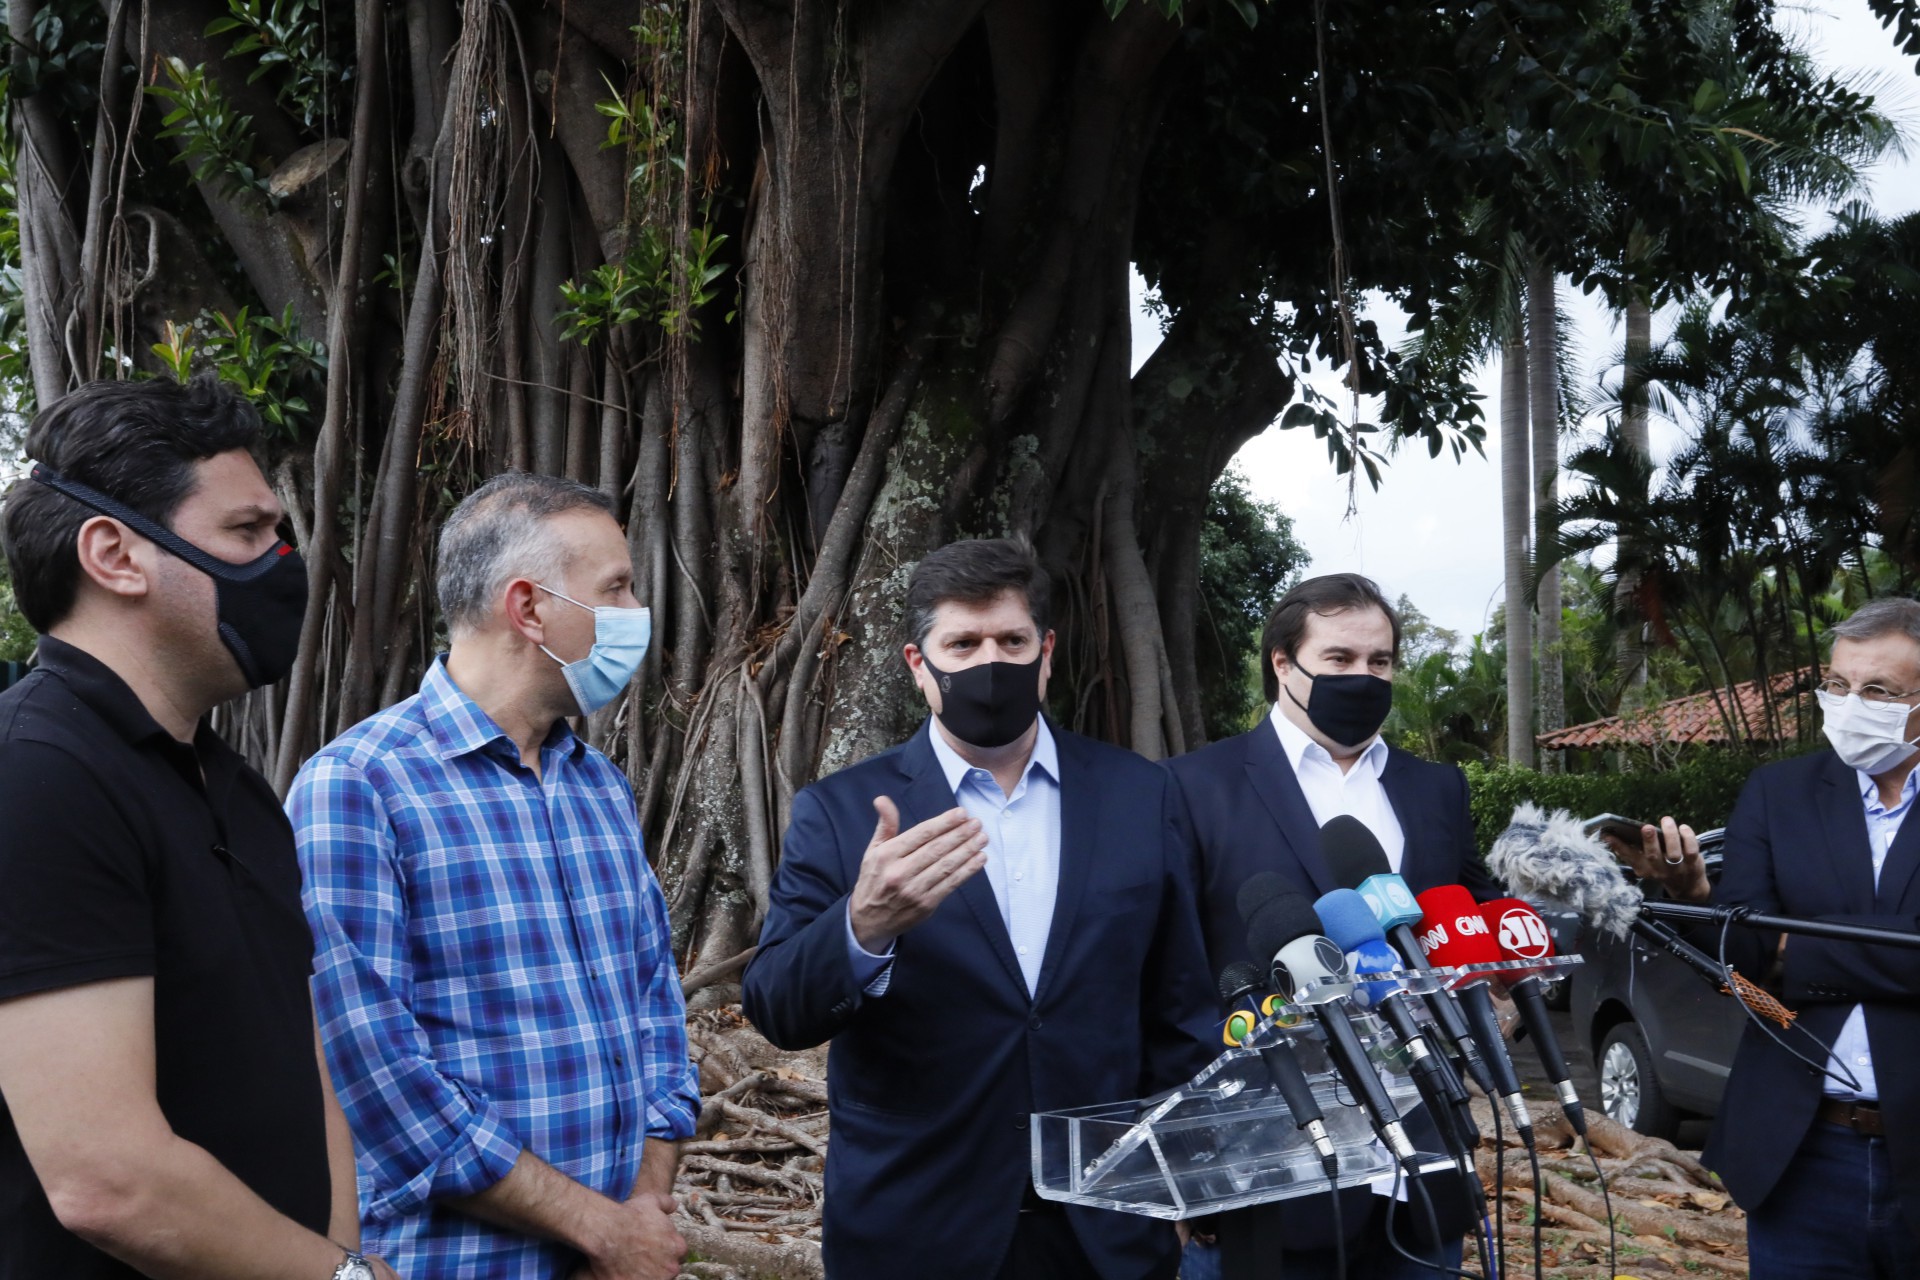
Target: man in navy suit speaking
point(1824, 1153)
point(1256, 803)
point(989, 920)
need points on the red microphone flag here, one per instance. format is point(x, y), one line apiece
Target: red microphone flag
point(1452, 931)
point(1518, 930)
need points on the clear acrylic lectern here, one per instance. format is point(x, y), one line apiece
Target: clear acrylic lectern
point(1225, 1139)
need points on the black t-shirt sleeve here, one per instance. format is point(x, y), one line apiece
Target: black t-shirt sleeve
point(75, 896)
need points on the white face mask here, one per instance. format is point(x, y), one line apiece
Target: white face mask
point(1868, 736)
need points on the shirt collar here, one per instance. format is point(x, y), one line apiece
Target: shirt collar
point(1298, 746)
point(1870, 792)
point(1046, 756)
point(102, 689)
point(460, 727)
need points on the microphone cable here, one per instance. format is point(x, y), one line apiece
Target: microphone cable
point(1339, 1233)
point(1606, 1198)
point(1499, 1187)
point(1433, 1224)
point(1533, 1159)
point(1759, 1019)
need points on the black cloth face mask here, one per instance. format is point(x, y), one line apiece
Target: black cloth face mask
point(261, 603)
point(989, 704)
point(1347, 708)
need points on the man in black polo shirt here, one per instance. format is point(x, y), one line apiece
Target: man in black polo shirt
point(164, 1109)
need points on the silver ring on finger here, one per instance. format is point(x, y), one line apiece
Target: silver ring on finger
point(1674, 862)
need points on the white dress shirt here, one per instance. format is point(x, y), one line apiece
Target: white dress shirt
point(1332, 791)
point(1851, 1052)
point(1023, 854)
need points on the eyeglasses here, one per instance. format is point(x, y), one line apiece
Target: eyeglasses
point(1839, 688)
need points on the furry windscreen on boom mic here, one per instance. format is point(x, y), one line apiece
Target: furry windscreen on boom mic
point(1547, 855)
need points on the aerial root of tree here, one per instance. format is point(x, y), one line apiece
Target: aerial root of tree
point(1669, 1213)
point(751, 1185)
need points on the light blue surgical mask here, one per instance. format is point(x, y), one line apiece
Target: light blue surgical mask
point(620, 639)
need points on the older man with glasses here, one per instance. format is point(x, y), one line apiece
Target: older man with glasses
point(1827, 1162)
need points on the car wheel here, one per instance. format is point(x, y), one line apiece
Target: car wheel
point(1630, 1093)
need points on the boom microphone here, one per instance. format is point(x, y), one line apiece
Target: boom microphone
point(1312, 971)
point(1522, 935)
point(1546, 855)
point(1354, 855)
point(1455, 933)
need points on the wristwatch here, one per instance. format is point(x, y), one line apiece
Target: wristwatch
point(354, 1268)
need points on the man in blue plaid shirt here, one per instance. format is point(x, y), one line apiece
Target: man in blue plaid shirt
point(493, 976)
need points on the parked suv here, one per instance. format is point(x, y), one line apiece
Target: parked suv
point(1661, 1038)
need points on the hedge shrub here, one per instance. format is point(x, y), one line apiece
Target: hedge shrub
point(1700, 790)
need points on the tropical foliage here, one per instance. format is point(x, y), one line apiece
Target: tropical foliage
point(810, 290)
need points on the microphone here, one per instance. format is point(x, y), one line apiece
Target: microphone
point(1312, 971)
point(1548, 855)
point(1239, 981)
point(1454, 933)
point(1350, 922)
point(1522, 935)
point(1354, 855)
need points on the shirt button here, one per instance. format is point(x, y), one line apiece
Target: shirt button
point(1861, 1060)
point(1019, 875)
point(1023, 951)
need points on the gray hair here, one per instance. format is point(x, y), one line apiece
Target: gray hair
point(1887, 616)
point(503, 530)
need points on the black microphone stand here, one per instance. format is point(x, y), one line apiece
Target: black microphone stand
point(1720, 915)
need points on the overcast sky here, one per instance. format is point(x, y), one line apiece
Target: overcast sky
point(1432, 531)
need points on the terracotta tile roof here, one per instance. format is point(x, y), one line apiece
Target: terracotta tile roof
point(1697, 718)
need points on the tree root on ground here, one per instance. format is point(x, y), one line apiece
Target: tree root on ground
point(751, 1181)
point(1670, 1215)
point(750, 1184)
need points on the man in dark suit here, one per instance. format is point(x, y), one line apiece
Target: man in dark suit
point(1256, 802)
point(1827, 1162)
point(1070, 973)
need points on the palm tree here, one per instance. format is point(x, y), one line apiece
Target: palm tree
point(1543, 336)
point(1634, 437)
point(1516, 483)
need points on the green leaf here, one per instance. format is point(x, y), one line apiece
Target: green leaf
point(1298, 414)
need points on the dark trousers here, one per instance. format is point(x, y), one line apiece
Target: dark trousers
point(1368, 1257)
point(1834, 1214)
point(1045, 1247)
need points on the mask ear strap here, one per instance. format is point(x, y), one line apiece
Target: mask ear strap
point(94, 500)
point(166, 539)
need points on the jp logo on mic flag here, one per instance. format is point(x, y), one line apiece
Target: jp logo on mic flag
point(1524, 934)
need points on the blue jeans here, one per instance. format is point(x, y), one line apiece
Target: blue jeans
point(1835, 1214)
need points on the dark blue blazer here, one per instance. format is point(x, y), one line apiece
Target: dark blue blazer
point(930, 1085)
point(1797, 845)
point(1245, 813)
